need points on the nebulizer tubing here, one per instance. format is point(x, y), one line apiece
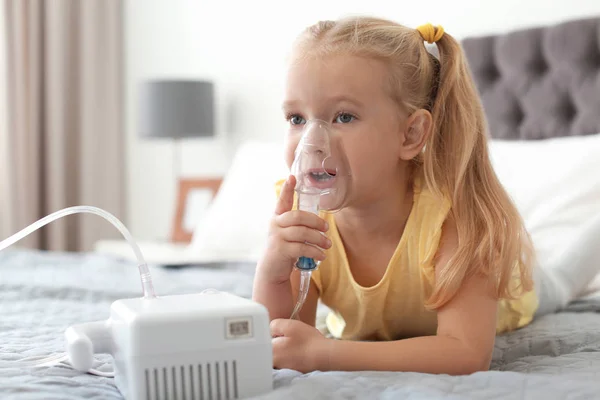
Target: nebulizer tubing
point(147, 287)
point(305, 275)
point(146, 279)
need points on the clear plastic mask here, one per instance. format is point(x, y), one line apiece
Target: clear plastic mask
point(321, 168)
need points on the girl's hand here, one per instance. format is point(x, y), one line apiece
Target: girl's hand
point(292, 234)
point(299, 346)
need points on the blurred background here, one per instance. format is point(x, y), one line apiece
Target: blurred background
point(84, 86)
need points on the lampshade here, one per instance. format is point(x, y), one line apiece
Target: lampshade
point(176, 109)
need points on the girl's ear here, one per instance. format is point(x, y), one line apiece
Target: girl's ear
point(415, 133)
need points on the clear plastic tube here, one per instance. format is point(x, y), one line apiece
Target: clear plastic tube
point(302, 292)
point(60, 359)
point(146, 279)
point(54, 359)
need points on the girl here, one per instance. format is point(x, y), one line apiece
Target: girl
point(429, 260)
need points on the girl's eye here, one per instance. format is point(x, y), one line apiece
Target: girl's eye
point(296, 120)
point(344, 118)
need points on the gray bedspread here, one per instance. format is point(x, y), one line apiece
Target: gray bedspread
point(557, 357)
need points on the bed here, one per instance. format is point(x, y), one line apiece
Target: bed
point(541, 92)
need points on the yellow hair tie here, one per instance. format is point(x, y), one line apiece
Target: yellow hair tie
point(431, 34)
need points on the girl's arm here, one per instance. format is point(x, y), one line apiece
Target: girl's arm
point(463, 344)
point(275, 295)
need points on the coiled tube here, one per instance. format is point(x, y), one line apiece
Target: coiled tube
point(146, 279)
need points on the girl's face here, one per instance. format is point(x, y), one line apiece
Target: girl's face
point(350, 93)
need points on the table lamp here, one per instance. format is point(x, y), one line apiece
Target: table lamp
point(176, 109)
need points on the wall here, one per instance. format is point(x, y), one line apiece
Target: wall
point(241, 45)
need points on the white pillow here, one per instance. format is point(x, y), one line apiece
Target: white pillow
point(235, 226)
point(555, 184)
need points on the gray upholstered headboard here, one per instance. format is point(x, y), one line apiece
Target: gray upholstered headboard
point(541, 82)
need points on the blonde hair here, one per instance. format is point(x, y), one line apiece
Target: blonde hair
point(455, 163)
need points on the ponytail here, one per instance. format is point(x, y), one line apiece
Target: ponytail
point(491, 235)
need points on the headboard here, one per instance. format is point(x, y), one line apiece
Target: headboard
point(539, 83)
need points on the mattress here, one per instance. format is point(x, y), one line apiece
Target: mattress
point(41, 294)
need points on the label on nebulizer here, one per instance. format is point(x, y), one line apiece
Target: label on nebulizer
point(239, 328)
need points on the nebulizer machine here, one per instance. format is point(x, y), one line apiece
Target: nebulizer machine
point(210, 345)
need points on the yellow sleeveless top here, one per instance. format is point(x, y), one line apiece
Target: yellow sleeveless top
point(394, 307)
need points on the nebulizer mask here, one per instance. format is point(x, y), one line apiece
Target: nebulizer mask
point(323, 184)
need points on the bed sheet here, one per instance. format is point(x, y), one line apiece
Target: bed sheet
point(41, 294)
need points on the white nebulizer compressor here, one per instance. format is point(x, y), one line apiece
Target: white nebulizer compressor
point(210, 345)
